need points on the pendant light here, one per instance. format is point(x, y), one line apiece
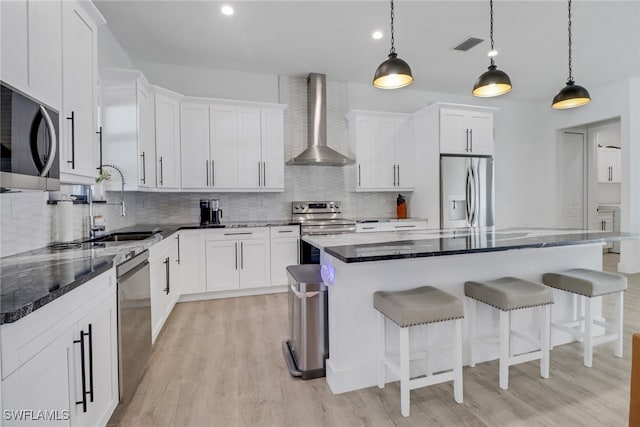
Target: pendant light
point(572, 95)
point(393, 73)
point(492, 82)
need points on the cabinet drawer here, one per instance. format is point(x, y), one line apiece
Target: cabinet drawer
point(238, 233)
point(367, 227)
point(23, 339)
point(403, 225)
point(284, 231)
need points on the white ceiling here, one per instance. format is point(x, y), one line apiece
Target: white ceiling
point(293, 38)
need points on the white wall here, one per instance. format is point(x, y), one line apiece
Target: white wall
point(617, 99)
point(212, 83)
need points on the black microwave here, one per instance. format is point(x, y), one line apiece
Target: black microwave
point(29, 136)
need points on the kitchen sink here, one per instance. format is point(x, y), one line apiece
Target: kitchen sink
point(123, 237)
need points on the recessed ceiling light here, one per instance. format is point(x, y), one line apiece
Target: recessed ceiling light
point(377, 35)
point(226, 10)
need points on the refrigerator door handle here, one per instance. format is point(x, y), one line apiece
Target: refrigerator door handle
point(469, 192)
point(476, 199)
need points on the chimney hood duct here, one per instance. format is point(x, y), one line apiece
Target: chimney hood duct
point(318, 153)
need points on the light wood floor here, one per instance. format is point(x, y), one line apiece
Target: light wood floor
point(219, 363)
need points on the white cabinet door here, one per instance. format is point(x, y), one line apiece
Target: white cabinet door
point(254, 263)
point(604, 171)
point(384, 148)
point(272, 149)
point(164, 289)
point(222, 263)
point(365, 130)
point(194, 143)
point(480, 126)
point(284, 252)
point(14, 52)
point(45, 51)
point(101, 369)
point(405, 156)
point(192, 263)
point(249, 148)
point(43, 383)
point(78, 148)
point(615, 160)
point(167, 131)
point(224, 146)
point(609, 164)
point(466, 132)
point(146, 136)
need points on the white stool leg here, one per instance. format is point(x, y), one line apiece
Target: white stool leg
point(588, 332)
point(457, 368)
point(581, 317)
point(544, 340)
point(505, 332)
point(427, 350)
point(619, 322)
point(404, 372)
point(472, 329)
point(382, 349)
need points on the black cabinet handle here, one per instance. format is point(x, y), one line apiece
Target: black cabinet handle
point(144, 169)
point(264, 174)
point(236, 246)
point(161, 174)
point(398, 169)
point(471, 140)
point(73, 141)
point(213, 173)
point(359, 175)
point(241, 256)
point(90, 335)
point(167, 270)
point(206, 167)
point(394, 175)
point(100, 139)
point(466, 147)
point(82, 402)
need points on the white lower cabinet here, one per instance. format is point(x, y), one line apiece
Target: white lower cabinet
point(165, 285)
point(285, 251)
point(236, 259)
point(191, 250)
point(60, 362)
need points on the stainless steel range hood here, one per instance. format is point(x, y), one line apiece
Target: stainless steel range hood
point(318, 153)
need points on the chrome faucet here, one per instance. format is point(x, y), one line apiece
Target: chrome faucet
point(92, 226)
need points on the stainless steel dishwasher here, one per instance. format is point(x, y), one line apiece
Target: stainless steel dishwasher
point(134, 323)
point(307, 348)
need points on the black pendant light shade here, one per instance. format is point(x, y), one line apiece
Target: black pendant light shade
point(393, 73)
point(492, 82)
point(572, 95)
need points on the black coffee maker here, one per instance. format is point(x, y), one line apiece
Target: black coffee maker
point(210, 213)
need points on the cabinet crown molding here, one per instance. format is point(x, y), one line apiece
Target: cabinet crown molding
point(234, 102)
point(438, 105)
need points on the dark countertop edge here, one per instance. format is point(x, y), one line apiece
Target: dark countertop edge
point(368, 258)
point(33, 306)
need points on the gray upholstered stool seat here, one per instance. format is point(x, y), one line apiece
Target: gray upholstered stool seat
point(508, 294)
point(586, 285)
point(425, 305)
point(418, 306)
point(590, 283)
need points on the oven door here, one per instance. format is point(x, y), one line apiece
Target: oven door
point(309, 253)
point(28, 143)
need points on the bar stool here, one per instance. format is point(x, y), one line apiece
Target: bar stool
point(419, 306)
point(508, 294)
point(585, 285)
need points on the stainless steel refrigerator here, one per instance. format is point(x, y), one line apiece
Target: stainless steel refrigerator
point(466, 191)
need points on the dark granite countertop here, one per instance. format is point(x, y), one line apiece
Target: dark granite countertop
point(30, 280)
point(365, 247)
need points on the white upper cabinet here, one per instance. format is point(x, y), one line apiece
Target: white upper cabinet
point(79, 149)
point(232, 146)
point(128, 127)
point(385, 151)
point(167, 130)
point(609, 164)
point(194, 143)
point(466, 132)
point(32, 48)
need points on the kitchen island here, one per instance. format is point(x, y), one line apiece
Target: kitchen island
point(357, 265)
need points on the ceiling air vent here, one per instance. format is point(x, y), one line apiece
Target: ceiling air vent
point(468, 44)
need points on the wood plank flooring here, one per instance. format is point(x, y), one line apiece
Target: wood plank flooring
point(219, 363)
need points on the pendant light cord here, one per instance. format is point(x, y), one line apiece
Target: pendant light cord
point(491, 29)
point(393, 49)
point(569, 29)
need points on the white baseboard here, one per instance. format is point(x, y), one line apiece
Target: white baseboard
point(233, 293)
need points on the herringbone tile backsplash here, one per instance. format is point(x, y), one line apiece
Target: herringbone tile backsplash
point(28, 222)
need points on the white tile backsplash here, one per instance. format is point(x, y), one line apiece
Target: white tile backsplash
point(28, 222)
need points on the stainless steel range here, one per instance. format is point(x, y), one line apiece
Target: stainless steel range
point(322, 217)
point(319, 217)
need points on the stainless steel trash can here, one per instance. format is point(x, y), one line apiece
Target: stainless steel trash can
point(308, 345)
